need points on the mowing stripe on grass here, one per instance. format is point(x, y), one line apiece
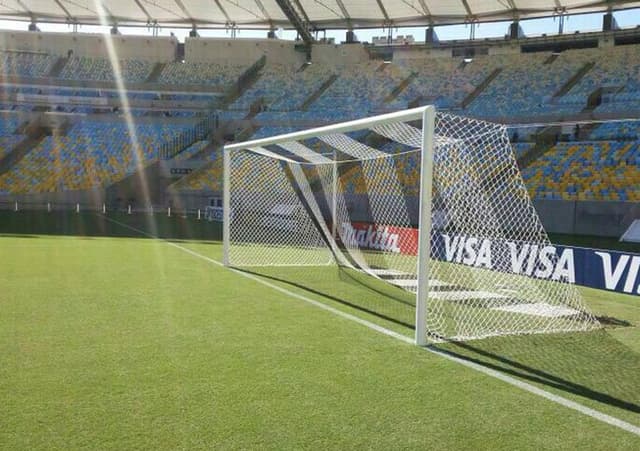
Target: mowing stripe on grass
point(595, 414)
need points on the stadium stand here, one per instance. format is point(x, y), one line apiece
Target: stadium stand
point(527, 83)
point(598, 170)
point(522, 148)
point(358, 90)
point(208, 178)
point(101, 69)
point(193, 73)
point(600, 164)
point(8, 137)
point(267, 131)
point(444, 82)
point(191, 150)
point(284, 88)
point(617, 130)
point(93, 153)
point(22, 64)
point(619, 70)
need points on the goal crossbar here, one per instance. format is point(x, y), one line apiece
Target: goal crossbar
point(412, 114)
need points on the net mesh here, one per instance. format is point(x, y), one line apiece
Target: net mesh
point(352, 200)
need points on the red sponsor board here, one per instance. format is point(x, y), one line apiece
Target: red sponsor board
point(401, 240)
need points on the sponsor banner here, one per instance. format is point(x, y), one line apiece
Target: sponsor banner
point(400, 240)
point(180, 171)
point(171, 168)
point(214, 214)
point(608, 270)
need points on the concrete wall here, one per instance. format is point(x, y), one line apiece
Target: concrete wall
point(606, 41)
point(157, 49)
point(192, 200)
point(339, 55)
point(609, 219)
point(68, 199)
point(242, 51)
point(411, 54)
point(606, 219)
point(504, 49)
point(418, 53)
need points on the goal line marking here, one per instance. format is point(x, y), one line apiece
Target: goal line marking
point(595, 414)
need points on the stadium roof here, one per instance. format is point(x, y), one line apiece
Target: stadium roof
point(319, 13)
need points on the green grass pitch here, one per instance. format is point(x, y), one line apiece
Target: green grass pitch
point(112, 340)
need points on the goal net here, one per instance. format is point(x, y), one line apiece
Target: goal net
point(429, 204)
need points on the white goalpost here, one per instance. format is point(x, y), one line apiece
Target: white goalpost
point(427, 203)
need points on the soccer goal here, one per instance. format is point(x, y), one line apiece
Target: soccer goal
point(425, 202)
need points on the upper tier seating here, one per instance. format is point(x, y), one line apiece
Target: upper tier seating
point(20, 64)
point(444, 82)
point(618, 130)
point(358, 90)
point(615, 67)
point(526, 85)
point(215, 74)
point(101, 69)
point(284, 88)
point(602, 169)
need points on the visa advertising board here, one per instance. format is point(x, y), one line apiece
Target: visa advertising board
point(608, 270)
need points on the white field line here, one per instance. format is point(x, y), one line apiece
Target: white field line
point(595, 414)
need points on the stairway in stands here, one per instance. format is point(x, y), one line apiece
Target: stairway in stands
point(545, 140)
point(152, 180)
point(155, 73)
point(480, 88)
point(244, 82)
point(401, 87)
point(574, 80)
point(318, 92)
point(57, 67)
point(34, 134)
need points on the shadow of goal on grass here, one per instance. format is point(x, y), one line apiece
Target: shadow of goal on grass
point(332, 284)
point(592, 365)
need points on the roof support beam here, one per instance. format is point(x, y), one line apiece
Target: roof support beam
point(183, 8)
point(27, 10)
point(302, 11)
point(110, 16)
point(468, 9)
point(298, 22)
point(271, 33)
point(383, 11)
point(62, 7)
point(143, 9)
point(514, 8)
point(264, 11)
point(345, 13)
point(425, 8)
point(223, 11)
